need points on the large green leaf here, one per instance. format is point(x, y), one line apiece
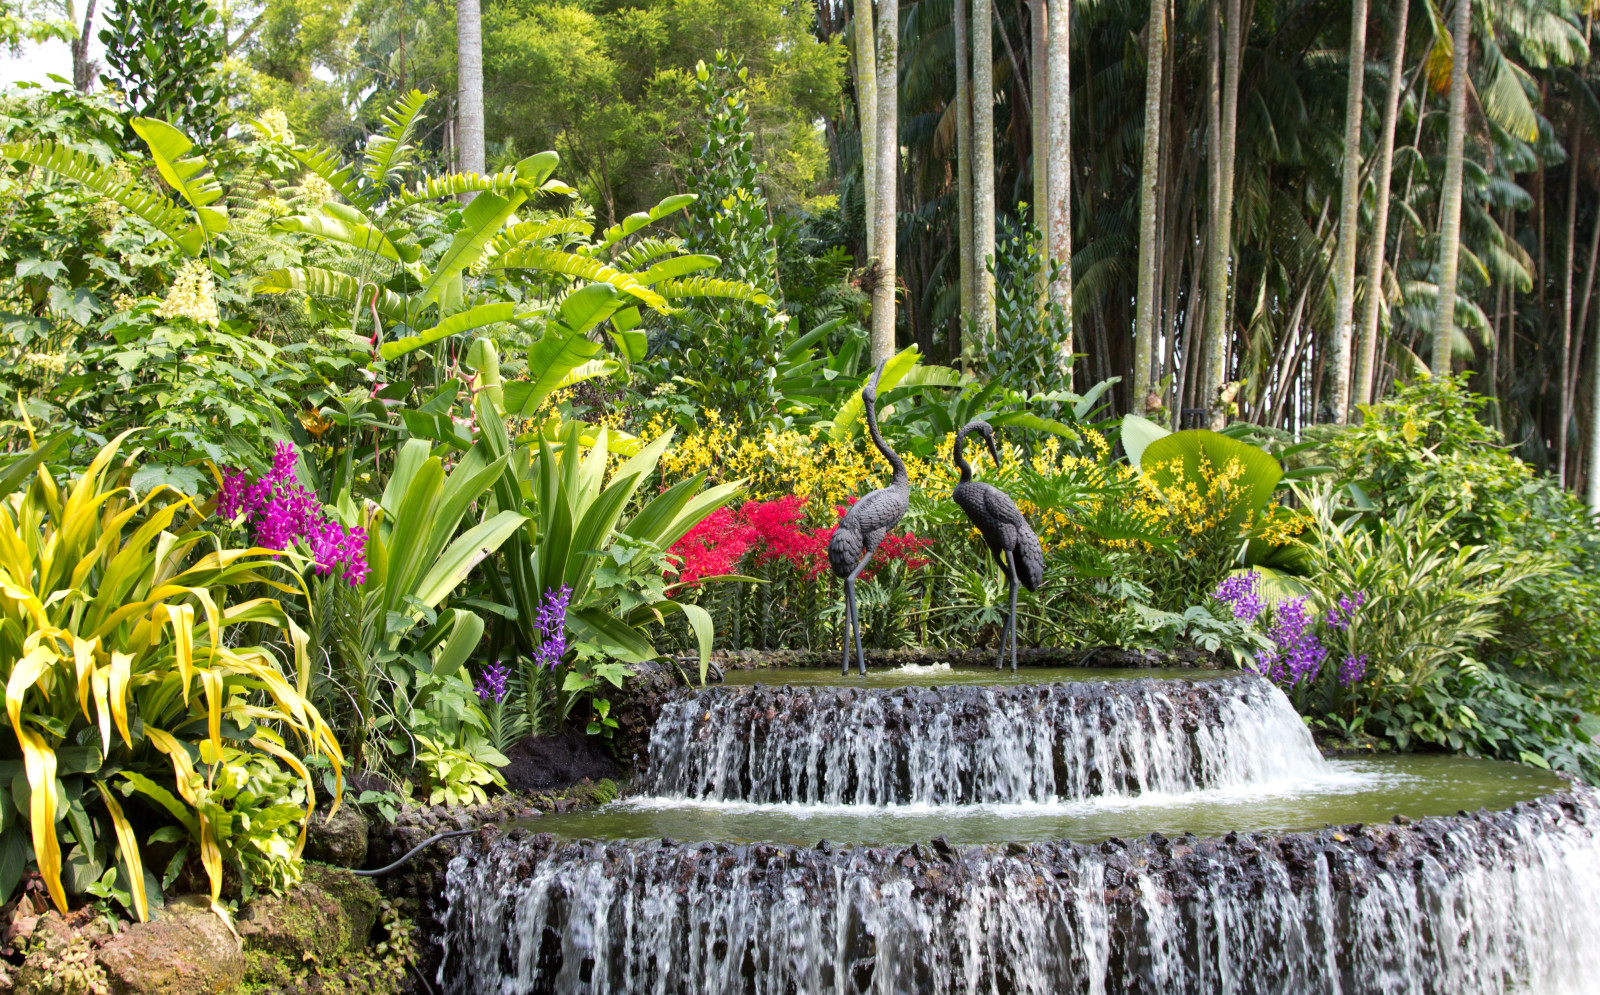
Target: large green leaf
point(700, 622)
point(189, 175)
point(362, 237)
point(554, 261)
point(614, 636)
point(1137, 434)
point(315, 281)
point(705, 286)
point(480, 222)
point(469, 549)
point(1197, 447)
point(557, 353)
point(676, 267)
point(634, 222)
point(481, 316)
point(847, 420)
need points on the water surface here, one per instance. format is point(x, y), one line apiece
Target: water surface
point(1347, 791)
point(939, 675)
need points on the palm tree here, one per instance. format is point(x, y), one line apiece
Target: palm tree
point(1444, 324)
point(1059, 143)
point(867, 113)
point(964, 246)
point(1219, 253)
point(469, 100)
point(1145, 317)
point(887, 154)
point(1040, 134)
point(983, 168)
point(1344, 274)
point(1380, 210)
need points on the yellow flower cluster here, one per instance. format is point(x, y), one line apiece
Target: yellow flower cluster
point(191, 295)
point(1187, 508)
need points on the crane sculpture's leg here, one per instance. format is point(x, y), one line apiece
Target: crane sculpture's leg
point(1011, 625)
point(850, 608)
point(849, 621)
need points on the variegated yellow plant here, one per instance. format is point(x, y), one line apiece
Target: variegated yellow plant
point(115, 635)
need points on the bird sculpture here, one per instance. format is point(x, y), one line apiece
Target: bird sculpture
point(1005, 531)
point(866, 523)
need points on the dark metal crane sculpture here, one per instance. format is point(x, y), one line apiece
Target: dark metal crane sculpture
point(1006, 532)
point(866, 523)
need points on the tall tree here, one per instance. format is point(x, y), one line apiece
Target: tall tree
point(964, 244)
point(1038, 61)
point(1380, 211)
point(82, 71)
point(1059, 130)
point(1145, 316)
point(1344, 274)
point(888, 152)
point(1444, 322)
point(1219, 253)
point(983, 168)
point(1568, 271)
point(867, 114)
point(469, 87)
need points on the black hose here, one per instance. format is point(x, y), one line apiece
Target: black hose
point(436, 837)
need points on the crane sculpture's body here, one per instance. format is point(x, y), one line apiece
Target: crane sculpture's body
point(866, 524)
point(1005, 531)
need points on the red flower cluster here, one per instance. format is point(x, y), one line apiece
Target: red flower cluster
point(776, 530)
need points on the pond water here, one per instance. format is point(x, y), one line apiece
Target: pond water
point(934, 675)
point(1347, 791)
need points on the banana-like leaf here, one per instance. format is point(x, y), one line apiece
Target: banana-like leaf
point(454, 185)
point(554, 261)
point(1027, 419)
point(481, 316)
point(189, 175)
point(1194, 449)
point(705, 286)
point(560, 351)
point(1137, 434)
point(847, 419)
point(480, 222)
point(634, 222)
point(587, 307)
point(157, 211)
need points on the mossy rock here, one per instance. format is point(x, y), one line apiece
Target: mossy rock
point(329, 913)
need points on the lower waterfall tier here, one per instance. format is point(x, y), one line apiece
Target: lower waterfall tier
point(1488, 903)
point(969, 744)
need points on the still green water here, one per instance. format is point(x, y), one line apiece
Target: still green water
point(948, 674)
point(1349, 791)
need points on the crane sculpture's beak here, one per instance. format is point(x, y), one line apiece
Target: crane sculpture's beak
point(994, 450)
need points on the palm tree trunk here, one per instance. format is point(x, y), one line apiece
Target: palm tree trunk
point(469, 72)
point(867, 115)
point(1037, 64)
point(1145, 319)
point(888, 154)
point(1565, 406)
point(1444, 323)
point(964, 247)
point(1344, 276)
point(1217, 320)
point(1594, 435)
point(1380, 212)
point(983, 168)
point(1060, 158)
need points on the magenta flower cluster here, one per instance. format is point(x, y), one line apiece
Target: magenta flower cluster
point(552, 624)
point(279, 511)
point(1299, 654)
point(1242, 594)
point(492, 685)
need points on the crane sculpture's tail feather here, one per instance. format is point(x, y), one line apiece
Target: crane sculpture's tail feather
point(844, 551)
point(1030, 558)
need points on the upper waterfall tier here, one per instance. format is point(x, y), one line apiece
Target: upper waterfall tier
point(973, 744)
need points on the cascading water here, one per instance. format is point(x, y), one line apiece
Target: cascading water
point(972, 745)
point(1485, 904)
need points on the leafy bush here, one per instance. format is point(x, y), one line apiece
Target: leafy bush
point(121, 597)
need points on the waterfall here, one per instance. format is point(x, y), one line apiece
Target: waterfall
point(976, 744)
point(1487, 903)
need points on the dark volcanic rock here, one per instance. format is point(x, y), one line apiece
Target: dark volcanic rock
point(549, 763)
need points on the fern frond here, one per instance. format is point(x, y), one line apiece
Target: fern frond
point(539, 258)
point(390, 150)
point(705, 286)
point(454, 185)
point(325, 163)
point(80, 168)
point(532, 231)
point(315, 281)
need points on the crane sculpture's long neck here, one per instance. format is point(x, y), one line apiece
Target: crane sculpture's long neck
point(900, 478)
point(960, 458)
